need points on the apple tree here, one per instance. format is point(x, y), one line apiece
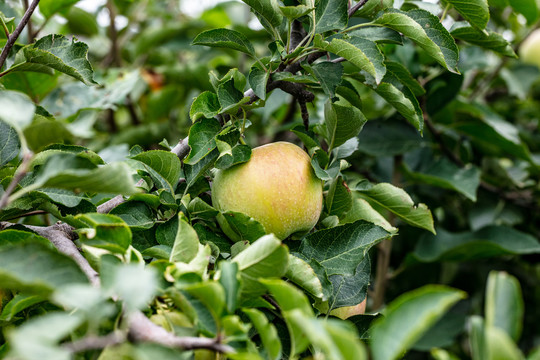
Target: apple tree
point(419, 124)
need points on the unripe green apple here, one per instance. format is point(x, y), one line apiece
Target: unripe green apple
point(276, 187)
point(529, 50)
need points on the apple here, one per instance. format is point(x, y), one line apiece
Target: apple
point(348, 311)
point(277, 187)
point(529, 50)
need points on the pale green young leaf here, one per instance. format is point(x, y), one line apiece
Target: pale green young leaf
point(104, 231)
point(303, 275)
point(267, 332)
point(504, 306)
point(205, 105)
point(164, 163)
point(295, 12)
point(408, 317)
point(16, 109)
point(186, 243)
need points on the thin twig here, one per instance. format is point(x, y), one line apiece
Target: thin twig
point(357, 6)
point(18, 30)
point(19, 175)
point(115, 201)
point(305, 114)
point(114, 56)
point(132, 111)
point(29, 26)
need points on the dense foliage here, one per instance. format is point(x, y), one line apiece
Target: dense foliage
point(418, 116)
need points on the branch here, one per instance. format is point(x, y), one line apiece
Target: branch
point(96, 342)
point(182, 148)
point(357, 6)
point(305, 114)
point(18, 30)
point(29, 26)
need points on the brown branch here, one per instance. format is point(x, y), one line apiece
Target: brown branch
point(114, 56)
point(19, 175)
point(18, 30)
point(95, 342)
point(297, 34)
point(115, 201)
point(132, 111)
point(305, 114)
point(29, 26)
point(384, 248)
point(357, 6)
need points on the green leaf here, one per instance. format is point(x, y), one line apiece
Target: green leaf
point(331, 15)
point(67, 171)
point(136, 285)
point(239, 226)
point(202, 139)
point(504, 304)
point(267, 332)
point(490, 41)
point(16, 109)
point(425, 30)
point(388, 138)
point(487, 242)
point(476, 12)
point(445, 174)
point(408, 317)
point(59, 53)
point(303, 275)
point(268, 9)
point(295, 12)
point(362, 210)
point(401, 98)
point(342, 123)
point(264, 258)
point(341, 249)
point(36, 269)
point(60, 196)
point(225, 38)
point(38, 338)
point(258, 78)
point(350, 290)
point(358, 51)
point(197, 208)
point(329, 76)
point(135, 213)
point(50, 7)
point(229, 278)
point(339, 199)
point(105, 231)
point(405, 77)
point(237, 155)
point(230, 98)
point(19, 303)
point(373, 7)
point(186, 243)
point(397, 201)
point(164, 163)
point(378, 34)
point(491, 343)
point(528, 8)
point(205, 105)
point(10, 145)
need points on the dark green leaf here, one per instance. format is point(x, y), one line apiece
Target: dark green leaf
point(388, 138)
point(239, 226)
point(379, 35)
point(135, 213)
point(475, 12)
point(342, 122)
point(50, 7)
point(487, 242)
point(339, 199)
point(268, 9)
point(341, 249)
point(205, 105)
point(350, 290)
point(329, 76)
point(164, 163)
point(19, 303)
point(10, 145)
point(331, 15)
point(491, 40)
point(258, 79)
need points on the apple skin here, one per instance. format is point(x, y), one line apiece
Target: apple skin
point(348, 311)
point(529, 51)
point(276, 187)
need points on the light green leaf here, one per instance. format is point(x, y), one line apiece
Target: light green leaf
point(504, 304)
point(16, 109)
point(36, 269)
point(229, 278)
point(225, 38)
point(19, 303)
point(362, 210)
point(475, 12)
point(341, 249)
point(104, 231)
point(38, 337)
point(408, 317)
point(487, 242)
point(295, 12)
point(397, 201)
point(50, 7)
point(10, 145)
point(239, 226)
point(267, 332)
point(265, 258)
point(59, 53)
point(186, 243)
point(426, 30)
point(303, 275)
point(373, 7)
point(136, 285)
point(358, 51)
